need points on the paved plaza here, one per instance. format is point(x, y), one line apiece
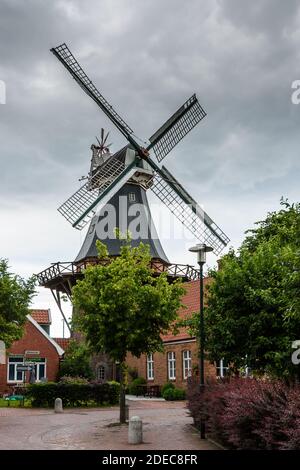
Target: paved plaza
point(166, 426)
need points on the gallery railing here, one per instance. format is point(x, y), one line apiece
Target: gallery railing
point(58, 271)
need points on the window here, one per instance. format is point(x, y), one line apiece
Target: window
point(171, 366)
point(12, 374)
point(40, 370)
point(131, 197)
point(222, 368)
point(100, 373)
point(150, 367)
point(187, 364)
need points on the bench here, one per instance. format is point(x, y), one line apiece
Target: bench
point(148, 391)
point(19, 398)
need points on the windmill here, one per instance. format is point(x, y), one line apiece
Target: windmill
point(111, 173)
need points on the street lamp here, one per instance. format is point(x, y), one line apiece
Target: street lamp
point(201, 250)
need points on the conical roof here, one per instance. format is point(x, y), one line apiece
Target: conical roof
point(128, 210)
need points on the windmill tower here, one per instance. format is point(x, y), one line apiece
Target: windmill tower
point(128, 210)
point(126, 176)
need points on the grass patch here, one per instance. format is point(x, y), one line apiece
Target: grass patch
point(14, 404)
point(28, 404)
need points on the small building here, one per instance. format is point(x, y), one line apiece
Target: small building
point(36, 346)
point(180, 358)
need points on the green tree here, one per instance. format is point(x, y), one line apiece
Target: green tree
point(124, 308)
point(15, 297)
point(76, 361)
point(253, 306)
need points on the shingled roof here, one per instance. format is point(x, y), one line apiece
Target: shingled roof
point(41, 316)
point(63, 342)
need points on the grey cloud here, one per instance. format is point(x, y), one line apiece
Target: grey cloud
point(147, 58)
point(272, 17)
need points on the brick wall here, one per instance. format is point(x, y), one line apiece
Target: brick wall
point(161, 364)
point(177, 344)
point(32, 340)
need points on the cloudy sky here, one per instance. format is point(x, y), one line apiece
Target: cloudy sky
point(147, 58)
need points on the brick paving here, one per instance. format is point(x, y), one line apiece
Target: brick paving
point(166, 426)
point(19, 411)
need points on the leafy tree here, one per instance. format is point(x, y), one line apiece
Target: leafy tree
point(124, 307)
point(76, 361)
point(253, 308)
point(15, 297)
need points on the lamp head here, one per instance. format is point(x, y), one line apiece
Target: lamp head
point(201, 249)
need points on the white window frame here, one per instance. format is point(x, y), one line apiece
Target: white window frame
point(150, 367)
point(222, 369)
point(21, 363)
point(37, 370)
point(187, 363)
point(171, 365)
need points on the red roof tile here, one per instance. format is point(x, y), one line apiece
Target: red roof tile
point(191, 300)
point(63, 342)
point(43, 317)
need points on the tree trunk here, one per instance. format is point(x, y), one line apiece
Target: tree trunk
point(122, 393)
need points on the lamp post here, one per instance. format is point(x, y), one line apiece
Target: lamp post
point(201, 250)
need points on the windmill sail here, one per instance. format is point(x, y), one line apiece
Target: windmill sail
point(176, 127)
point(187, 211)
point(65, 56)
point(79, 208)
point(106, 176)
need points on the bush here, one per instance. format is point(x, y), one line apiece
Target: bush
point(166, 387)
point(133, 373)
point(114, 382)
point(76, 362)
point(172, 393)
point(134, 388)
point(73, 394)
point(115, 388)
point(249, 413)
point(66, 379)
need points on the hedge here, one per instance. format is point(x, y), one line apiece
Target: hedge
point(172, 393)
point(166, 387)
point(76, 394)
point(249, 414)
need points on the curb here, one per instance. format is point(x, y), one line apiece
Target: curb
point(217, 444)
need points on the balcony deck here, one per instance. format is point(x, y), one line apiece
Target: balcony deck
point(62, 276)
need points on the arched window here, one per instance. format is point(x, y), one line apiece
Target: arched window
point(100, 373)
